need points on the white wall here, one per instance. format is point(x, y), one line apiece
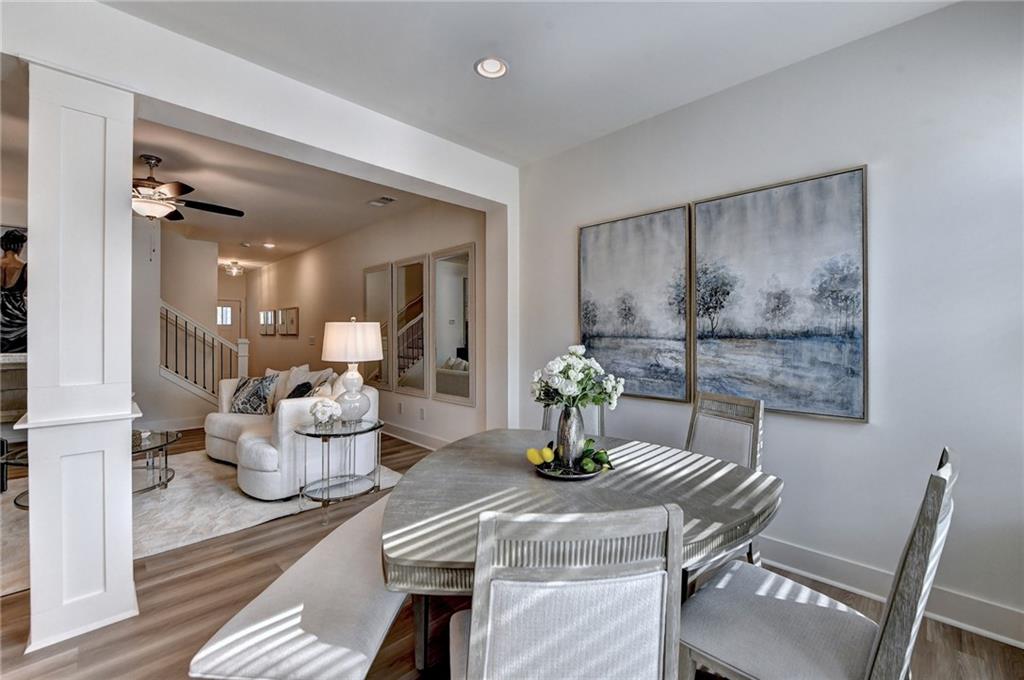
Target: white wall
point(164, 405)
point(188, 276)
point(933, 107)
point(326, 284)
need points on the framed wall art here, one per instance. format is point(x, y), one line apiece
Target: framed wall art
point(780, 295)
point(633, 300)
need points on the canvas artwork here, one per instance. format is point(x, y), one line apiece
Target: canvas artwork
point(632, 306)
point(780, 295)
point(13, 291)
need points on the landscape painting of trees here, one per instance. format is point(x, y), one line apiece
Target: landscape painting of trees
point(779, 300)
point(633, 300)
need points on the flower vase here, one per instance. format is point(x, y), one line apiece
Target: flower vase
point(570, 437)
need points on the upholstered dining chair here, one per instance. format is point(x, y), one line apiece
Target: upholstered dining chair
point(750, 623)
point(593, 419)
point(730, 428)
point(573, 596)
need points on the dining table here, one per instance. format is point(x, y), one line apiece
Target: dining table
point(430, 524)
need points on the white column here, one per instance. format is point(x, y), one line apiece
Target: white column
point(243, 358)
point(79, 356)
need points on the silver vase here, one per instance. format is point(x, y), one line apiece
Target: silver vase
point(570, 437)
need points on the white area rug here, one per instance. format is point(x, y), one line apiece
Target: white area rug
point(202, 501)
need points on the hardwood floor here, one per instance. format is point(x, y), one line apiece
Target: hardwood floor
point(186, 594)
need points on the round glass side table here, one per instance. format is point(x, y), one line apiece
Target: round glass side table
point(339, 478)
point(149, 461)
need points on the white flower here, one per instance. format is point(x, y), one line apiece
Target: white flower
point(592, 362)
point(575, 375)
point(577, 350)
point(569, 389)
point(537, 375)
point(555, 366)
point(556, 381)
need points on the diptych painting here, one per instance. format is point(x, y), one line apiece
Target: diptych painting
point(632, 304)
point(780, 293)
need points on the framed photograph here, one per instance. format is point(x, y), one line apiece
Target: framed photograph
point(780, 296)
point(268, 322)
point(633, 282)
point(288, 321)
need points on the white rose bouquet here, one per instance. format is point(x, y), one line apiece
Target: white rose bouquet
point(325, 411)
point(575, 380)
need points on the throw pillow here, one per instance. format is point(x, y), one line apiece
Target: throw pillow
point(252, 395)
point(301, 390)
point(302, 374)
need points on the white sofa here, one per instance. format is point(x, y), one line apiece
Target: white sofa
point(266, 449)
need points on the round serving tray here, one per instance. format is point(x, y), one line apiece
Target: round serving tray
point(562, 476)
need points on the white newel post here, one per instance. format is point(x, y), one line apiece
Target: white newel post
point(243, 358)
point(79, 356)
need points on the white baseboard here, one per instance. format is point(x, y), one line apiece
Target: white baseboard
point(977, 615)
point(416, 437)
point(171, 424)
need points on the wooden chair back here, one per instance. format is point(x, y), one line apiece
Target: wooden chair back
point(727, 427)
point(577, 595)
point(901, 618)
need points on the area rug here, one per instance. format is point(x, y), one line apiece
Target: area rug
point(202, 501)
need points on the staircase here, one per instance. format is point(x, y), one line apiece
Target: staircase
point(411, 336)
point(195, 357)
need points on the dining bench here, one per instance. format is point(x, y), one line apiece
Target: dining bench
point(325, 617)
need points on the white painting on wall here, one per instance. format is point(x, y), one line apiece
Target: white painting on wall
point(632, 306)
point(780, 297)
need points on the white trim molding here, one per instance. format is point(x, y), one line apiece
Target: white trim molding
point(416, 437)
point(969, 612)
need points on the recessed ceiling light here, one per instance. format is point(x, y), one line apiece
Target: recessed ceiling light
point(268, 244)
point(491, 67)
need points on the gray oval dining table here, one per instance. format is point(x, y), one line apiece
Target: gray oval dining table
point(430, 524)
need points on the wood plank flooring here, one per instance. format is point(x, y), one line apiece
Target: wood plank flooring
point(186, 594)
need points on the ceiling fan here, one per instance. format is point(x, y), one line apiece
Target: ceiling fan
point(160, 200)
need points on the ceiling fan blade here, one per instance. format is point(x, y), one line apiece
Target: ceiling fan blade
point(210, 207)
point(173, 216)
point(174, 189)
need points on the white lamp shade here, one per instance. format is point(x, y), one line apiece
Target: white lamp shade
point(352, 341)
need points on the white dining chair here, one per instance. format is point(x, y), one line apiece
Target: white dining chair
point(593, 419)
point(732, 429)
point(748, 622)
point(591, 595)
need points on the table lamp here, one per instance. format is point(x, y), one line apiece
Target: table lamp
point(351, 342)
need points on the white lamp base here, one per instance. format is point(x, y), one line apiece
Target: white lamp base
point(354, 404)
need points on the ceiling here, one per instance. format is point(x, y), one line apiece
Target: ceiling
point(293, 205)
point(577, 71)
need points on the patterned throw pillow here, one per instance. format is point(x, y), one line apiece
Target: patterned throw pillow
point(301, 390)
point(252, 396)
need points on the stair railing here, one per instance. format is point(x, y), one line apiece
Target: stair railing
point(196, 354)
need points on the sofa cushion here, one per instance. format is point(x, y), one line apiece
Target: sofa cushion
point(302, 374)
point(254, 395)
point(257, 453)
point(231, 426)
point(303, 389)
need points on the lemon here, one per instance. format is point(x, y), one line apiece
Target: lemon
point(547, 454)
point(533, 455)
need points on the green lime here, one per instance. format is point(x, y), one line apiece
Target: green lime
point(588, 465)
point(601, 457)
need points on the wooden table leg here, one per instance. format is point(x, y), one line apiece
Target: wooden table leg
point(421, 622)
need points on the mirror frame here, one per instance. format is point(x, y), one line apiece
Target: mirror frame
point(387, 384)
point(428, 345)
point(470, 249)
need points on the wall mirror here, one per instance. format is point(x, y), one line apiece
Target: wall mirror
point(410, 326)
point(288, 321)
point(377, 307)
point(452, 287)
point(268, 322)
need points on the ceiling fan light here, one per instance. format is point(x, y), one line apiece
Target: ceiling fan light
point(152, 208)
